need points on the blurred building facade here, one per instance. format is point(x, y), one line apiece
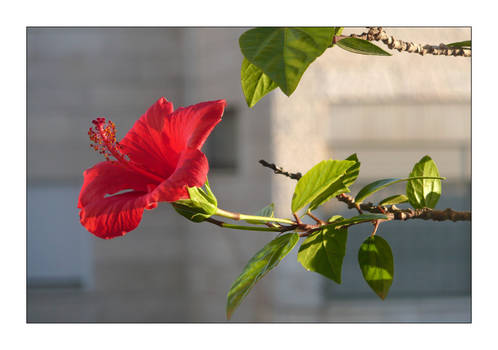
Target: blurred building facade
point(391, 111)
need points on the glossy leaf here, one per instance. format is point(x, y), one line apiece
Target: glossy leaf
point(424, 192)
point(380, 184)
point(396, 199)
point(266, 211)
point(360, 46)
point(284, 53)
point(374, 187)
point(335, 218)
point(323, 252)
point(333, 190)
point(317, 180)
point(463, 44)
point(259, 265)
point(255, 83)
point(357, 220)
point(352, 173)
point(377, 264)
point(339, 186)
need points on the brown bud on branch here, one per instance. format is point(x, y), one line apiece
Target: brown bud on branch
point(378, 34)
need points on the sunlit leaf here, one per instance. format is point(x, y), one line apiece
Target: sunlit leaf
point(462, 44)
point(352, 173)
point(424, 192)
point(377, 264)
point(266, 211)
point(317, 180)
point(335, 218)
point(283, 54)
point(255, 83)
point(375, 186)
point(360, 46)
point(396, 199)
point(339, 186)
point(259, 265)
point(357, 219)
point(324, 251)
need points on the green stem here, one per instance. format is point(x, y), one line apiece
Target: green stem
point(250, 228)
point(240, 227)
point(262, 219)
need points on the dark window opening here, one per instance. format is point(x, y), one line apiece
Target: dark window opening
point(222, 145)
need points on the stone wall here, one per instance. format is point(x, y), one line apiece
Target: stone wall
point(391, 111)
point(170, 270)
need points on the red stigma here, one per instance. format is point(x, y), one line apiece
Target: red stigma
point(103, 140)
point(103, 137)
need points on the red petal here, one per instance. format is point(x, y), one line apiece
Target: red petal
point(113, 216)
point(158, 138)
point(191, 171)
point(108, 178)
point(190, 126)
point(144, 142)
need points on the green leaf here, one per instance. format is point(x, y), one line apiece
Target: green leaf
point(380, 184)
point(335, 218)
point(284, 53)
point(339, 186)
point(255, 83)
point(374, 187)
point(200, 206)
point(396, 199)
point(259, 265)
point(266, 211)
point(424, 192)
point(317, 180)
point(352, 173)
point(377, 264)
point(463, 44)
point(324, 251)
point(356, 220)
point(361, 46)
point(333, 190)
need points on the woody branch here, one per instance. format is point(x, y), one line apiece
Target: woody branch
point(378, 34)
point(392, 212)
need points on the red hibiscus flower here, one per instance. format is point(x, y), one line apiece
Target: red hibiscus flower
point(154, 162)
